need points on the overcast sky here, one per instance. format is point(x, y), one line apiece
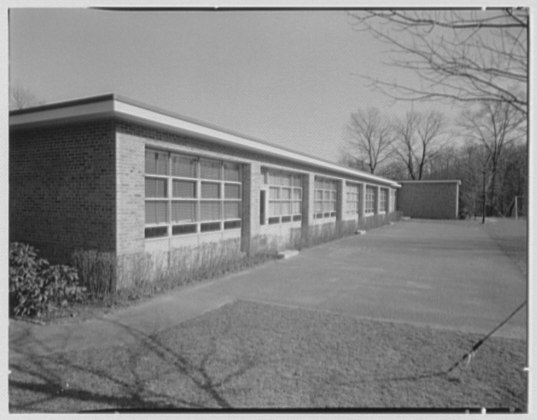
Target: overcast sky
point(287, 77)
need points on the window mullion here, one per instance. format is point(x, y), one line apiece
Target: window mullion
point(169, 194)
point(198, 198)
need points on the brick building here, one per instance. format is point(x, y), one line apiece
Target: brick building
point(110, 174)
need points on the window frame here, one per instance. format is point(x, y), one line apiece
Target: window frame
point(383, 200)
point(370, 199)
point(197, 225)
point(325, 197)
point(352, 197)
point(278, 183)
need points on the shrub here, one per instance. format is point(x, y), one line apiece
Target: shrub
point(142, 275)
point(35, 285)
point(97, 272)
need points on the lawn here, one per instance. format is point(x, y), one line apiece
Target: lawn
point(511, 236)
point(250, 355)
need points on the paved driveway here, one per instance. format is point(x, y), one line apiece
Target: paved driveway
point(442, 274)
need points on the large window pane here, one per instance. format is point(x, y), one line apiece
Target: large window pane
point(370, 199)
point(285, 179)
point(297, 194)
point(274, 208)
point(210, 190)
point(184, 189)
point(285, 193)
point(210, 210)
point(156, 162)
point(232, 172)
point(156, 212)
point(210, 169)
point(184, 211)
point(155, 187)
point(232, 191)
point(274, 193)
point(184, 166)
point(232, 210)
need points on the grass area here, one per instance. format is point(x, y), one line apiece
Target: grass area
point(250, 355)
point(511, 236)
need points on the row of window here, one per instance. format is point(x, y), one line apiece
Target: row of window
point(353, 199)
point(189, 194)
point(186, 194)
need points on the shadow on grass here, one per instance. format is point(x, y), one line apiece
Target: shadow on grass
point(40, 378)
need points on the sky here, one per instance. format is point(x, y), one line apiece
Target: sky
point(290, 78)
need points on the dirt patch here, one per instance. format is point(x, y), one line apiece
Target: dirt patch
point(250, 355)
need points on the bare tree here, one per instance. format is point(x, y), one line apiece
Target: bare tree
point(20, 97)
point(468, 56)
point(370, 139)
point(495, 126)
point(418, 140)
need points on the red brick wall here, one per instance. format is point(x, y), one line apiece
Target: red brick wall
point(429, 200)
point(62, 188)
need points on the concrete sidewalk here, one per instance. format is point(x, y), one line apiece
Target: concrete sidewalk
point(441, 274)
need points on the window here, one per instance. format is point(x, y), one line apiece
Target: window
point(325, 198)
point(392, 200)
point(284, 196)
point(188, 194)
point(370, 197)
point(353, 199)
point(383, 199)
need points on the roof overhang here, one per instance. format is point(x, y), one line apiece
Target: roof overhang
point(431, 181)
point(113, 106)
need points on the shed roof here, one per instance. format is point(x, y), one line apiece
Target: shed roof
point(112, 105)
point(430, 181)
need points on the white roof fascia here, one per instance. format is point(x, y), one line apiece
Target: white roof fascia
point(73, 112)
point(110, 105)
point(133, 112)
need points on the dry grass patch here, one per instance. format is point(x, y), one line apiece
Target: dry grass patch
point(248, 355)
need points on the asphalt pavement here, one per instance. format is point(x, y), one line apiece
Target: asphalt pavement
point(442, 274)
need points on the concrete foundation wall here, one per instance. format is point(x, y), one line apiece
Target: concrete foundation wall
point(429, 199)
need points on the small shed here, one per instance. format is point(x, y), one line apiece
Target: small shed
point(432, 199)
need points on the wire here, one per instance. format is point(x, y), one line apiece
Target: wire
point(468, 356)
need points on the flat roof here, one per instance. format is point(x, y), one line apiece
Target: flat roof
point(112, 105)
point(430, 181)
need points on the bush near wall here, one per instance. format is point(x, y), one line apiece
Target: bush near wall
point(36, 287)
point(97, 271)
point(136, 275)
